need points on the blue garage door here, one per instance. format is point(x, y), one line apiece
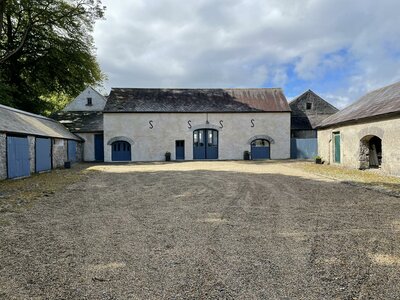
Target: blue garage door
point(303, 148)
point(72, 150)
point(43, 154)
point(99, 147)
point(260, 149)
point(17, 157)
point(121, 151)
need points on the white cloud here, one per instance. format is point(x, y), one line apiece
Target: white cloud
point(241, 43)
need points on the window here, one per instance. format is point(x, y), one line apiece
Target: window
point(89, 101)
point(308, 105)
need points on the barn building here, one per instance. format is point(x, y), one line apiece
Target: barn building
point(145, 124)
point(308, 110)
point(366, 133)
point(84, 117)
point(31, 143)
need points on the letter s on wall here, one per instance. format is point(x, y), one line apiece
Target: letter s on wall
point(151, 124)
point(190, 124)
point(252, 122)
point(222, 125)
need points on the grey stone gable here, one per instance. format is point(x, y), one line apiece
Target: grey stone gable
point(307, 118)
point(378, 103)
point(80, 103)
point(196, 100)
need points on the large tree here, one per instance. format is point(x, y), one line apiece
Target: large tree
point(46, 51)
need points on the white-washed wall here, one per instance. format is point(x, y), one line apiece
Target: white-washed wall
point(151, 144)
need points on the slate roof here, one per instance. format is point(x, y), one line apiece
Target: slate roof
point(378, 103)
point(308, 119)
point(18, 121)
point(196, 100)
point(80, 121)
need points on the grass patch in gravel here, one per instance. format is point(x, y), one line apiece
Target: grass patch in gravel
point(372, 178)
point(20, 193)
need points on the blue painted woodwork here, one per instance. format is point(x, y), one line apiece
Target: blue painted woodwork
point(303, 148)
point(337, 147)
point(72, 150)
point(205, 144)
point(180, 149)
point(17, 157)
point(260, 149)
point(43, 154)
point(121, 151)
point(99, 147)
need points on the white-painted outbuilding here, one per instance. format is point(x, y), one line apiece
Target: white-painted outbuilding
point(365, 134)
point(145, 124)
point(84, 117)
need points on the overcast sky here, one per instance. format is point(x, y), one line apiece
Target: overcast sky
point(338, 48)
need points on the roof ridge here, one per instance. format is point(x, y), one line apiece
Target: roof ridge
point(25, 113)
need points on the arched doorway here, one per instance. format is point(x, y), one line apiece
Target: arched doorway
point(260, 149)
point(370, 152)
point(121, 151)
point(205, 144)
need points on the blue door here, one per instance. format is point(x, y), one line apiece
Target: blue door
point(72, 151)
point(205, 144)
point(303, 148)
point(43, 154)
point(121, 151)
point(98, 147)
point(17, 157)
point(260, 149)
point(180, 149)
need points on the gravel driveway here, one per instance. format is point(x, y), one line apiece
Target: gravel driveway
point(203, 230)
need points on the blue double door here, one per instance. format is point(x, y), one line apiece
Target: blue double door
point(121, 151)
point(260, 149)
point(205, 144)
point(17, 157)
point(43, 154)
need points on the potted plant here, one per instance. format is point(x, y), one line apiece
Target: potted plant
point(246, 155)
point(318, 160)
point(167, 156)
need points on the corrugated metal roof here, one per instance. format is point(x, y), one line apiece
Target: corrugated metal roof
point(80, 121)
point(196, 100)
point(380, 102)
point(18, 121)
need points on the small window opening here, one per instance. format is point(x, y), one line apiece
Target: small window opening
point(308, 105)
point(89, 101)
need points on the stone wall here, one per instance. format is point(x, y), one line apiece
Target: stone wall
point(352, 154)
point(32, 163)
point(88, 146)
point(59, 153)
point(3, 156)
point(79, 152)
point(153, 134)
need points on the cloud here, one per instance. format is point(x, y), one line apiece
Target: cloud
point(335, 47)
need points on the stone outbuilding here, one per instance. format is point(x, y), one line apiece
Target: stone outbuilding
point(308, 110)
point(196, 124)
point(84, 117)
point(365, 134)
point(31, 143)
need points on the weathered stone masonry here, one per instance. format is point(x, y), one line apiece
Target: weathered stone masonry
point(3, 156)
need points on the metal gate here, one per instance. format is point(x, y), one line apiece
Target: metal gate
point(43, 154)
point(205, 144)
point(303, 148)
point(180, 149)
point(260, 149)
point(17, 157)
point(72, 150)
point(99, 147)
point(121, 151)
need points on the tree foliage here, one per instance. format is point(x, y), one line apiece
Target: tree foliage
point(46, 49)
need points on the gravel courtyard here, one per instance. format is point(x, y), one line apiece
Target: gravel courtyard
point(201, 230)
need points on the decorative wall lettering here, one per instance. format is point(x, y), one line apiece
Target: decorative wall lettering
point(222, 125)
point(151, 124)
point(190, 124)
point(252, 122)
